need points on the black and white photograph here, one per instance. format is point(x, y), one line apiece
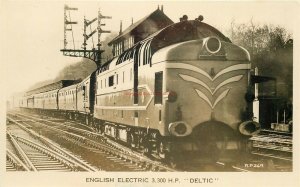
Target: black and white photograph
point(149, 93)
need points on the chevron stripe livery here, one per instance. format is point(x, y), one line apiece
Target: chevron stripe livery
point(212, 91)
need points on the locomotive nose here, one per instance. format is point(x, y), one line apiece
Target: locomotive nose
point(249, 128)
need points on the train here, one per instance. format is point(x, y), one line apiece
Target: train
point(183, 93)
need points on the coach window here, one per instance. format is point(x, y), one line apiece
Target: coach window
point(117, 79)
point(158, 88)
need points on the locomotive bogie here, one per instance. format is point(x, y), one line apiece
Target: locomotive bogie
point(111, 130)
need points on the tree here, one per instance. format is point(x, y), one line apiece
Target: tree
point(271, 50)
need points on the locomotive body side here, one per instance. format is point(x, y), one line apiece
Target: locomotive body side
point(125, 96)
point(114, 98)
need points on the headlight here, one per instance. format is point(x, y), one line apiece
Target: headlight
point(249, 128)
point(213, 45)
point(180, 128)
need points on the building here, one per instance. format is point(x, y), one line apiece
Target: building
point(139, 30)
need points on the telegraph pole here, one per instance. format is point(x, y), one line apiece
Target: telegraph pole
point(92, 54)
point(100, 31)
point(66, 23)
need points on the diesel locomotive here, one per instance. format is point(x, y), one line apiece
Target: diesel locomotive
point(183, 93)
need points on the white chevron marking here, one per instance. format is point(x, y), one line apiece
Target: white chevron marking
point(198, 70)
point(204, 97)
point(202, 72)
point(221, 96)
point(187, 67)
point(227, 81)
point(232, 68)
point(197, 81)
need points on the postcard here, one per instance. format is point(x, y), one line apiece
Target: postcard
point(149, 93)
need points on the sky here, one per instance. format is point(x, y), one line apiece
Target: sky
point(32, 31)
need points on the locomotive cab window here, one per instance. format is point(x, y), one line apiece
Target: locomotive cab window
point(111, 81)
point(158, 87)
point(83, 88)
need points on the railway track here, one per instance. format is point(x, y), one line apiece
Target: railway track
point(13, 163)
point(39, 153)
point(144, 165)
point(265, 145)
point(40, 158)
point(275, 149)
point(122, 157)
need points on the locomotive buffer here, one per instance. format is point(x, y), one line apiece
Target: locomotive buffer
point(93, 54)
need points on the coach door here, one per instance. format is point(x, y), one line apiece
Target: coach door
point(86, 96)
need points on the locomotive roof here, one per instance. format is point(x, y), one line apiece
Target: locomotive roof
point(184, 31)
point(172, 34)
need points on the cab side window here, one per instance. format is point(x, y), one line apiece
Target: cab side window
point(158, 86)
